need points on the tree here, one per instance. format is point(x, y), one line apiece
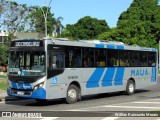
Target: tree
point(58, 25)
point(3, 54)
point(13, 16)
point(140, 23)
point(86, 28)
point(38, 20)
point(110, 35)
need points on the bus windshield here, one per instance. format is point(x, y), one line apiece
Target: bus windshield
point(26, 63)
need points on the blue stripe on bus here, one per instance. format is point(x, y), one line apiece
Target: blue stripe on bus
point(107, 79)
point(153, 77)
point(21, 86)
point(95, 78)
point(99, 45)
point(40, 94)
point(111, 46)
point(119, 76)
point(120, 47)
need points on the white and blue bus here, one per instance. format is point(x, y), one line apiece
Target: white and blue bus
point(45, 69)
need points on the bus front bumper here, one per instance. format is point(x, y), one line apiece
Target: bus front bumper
point(37, 94)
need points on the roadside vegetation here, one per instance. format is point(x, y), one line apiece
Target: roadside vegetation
point(138, 25)
point(3, 85)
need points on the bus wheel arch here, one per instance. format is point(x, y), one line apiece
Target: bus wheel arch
point(130, 86)
point(73, 93)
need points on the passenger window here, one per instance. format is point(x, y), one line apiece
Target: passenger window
point(143, 59)
point(124, 58)
point(135, 59)
point(100, 58)
point(152, 59)
point(88, 57)
point(73, 57)
point(112, 58)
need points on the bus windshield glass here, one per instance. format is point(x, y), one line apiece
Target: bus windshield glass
point(25, 63)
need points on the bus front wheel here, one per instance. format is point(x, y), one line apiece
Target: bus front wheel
point(72, 94)
point(130, 88)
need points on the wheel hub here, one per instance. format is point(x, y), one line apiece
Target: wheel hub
point(72, 94)
point(131, 88)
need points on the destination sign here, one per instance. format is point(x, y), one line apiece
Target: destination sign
point(27, 44)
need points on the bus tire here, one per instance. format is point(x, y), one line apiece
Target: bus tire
point(130, 88)
point(73, 93)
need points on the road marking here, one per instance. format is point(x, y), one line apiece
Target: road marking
point(110, 118)
point(88, 108)
point(49, 118)
point(132, 107)
point(147, 102)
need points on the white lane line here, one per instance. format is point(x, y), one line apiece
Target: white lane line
point(110, 118)
point(49, 118)
point(132, 107)
point(88, 108)
point(147, 102)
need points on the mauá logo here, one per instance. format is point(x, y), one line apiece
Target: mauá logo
point(139, 72)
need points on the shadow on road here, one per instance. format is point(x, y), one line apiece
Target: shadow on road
point(32, 102)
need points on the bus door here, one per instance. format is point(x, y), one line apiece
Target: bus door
point(55, 62)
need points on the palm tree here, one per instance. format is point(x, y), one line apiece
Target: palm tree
point(58, 25)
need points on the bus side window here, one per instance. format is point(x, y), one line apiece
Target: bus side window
point(152, 59)
point(112, 58)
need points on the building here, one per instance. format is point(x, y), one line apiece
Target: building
point(3, 36)
point(30, 35)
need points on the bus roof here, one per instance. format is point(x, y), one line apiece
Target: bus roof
point(101, 44)
point(92, 43)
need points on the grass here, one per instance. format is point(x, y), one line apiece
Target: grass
point(5, 77)
point(158, 71)
point(3, 82)
point(3, 85)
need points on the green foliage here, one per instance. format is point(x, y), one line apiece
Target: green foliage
point(58, 27)
point(86, 28)
point(13, 16)
point(37, 17)
point(3, 54)
point(140, 23)
point(3, 85)
point(110, 35)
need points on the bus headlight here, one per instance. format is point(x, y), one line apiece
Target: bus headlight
point(38, 86)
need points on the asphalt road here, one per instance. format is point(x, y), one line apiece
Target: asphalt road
point(100, 107)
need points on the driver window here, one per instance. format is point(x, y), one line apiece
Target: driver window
point(56, 61)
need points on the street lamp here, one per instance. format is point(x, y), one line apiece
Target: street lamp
point(45, 16)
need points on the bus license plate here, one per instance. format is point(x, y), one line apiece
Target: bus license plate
point(20, 92)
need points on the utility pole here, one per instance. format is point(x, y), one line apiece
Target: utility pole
point(44, 2)
point(45, 16)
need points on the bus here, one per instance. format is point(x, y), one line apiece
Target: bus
point(45, 69)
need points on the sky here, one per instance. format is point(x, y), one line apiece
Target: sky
point(73, 10)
